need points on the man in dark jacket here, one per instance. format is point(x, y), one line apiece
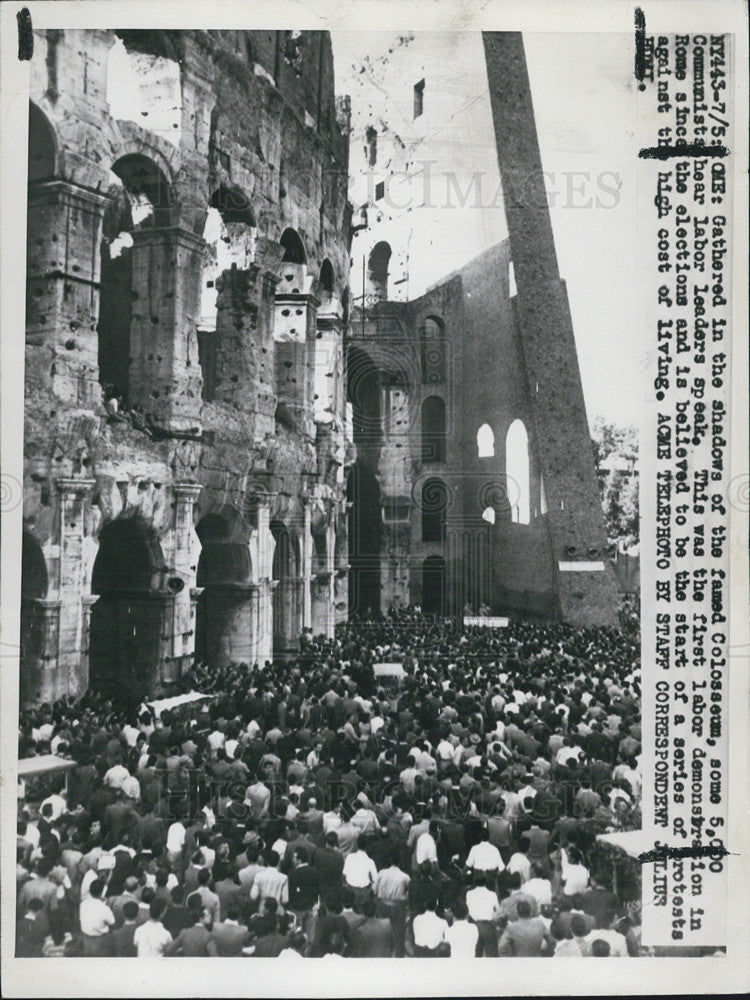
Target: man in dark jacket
point(374, 936)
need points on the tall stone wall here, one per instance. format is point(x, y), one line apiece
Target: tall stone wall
point(151, 521)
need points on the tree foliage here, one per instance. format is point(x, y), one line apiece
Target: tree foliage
point(616, 457)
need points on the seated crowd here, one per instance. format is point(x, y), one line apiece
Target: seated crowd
point(310, 808)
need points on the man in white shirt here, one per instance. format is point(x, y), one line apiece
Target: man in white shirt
point(95, 919)
point(216, 739)
point(360, 873)
point(520, 863)
point(115, 776)
point(575, 875)
point(539, 888)
point(152, 938)
point(462, 935)
point(429, 931)
point(484, 856)
point(57, 806)
point(270, 883)
point(176, 842)
point(426, 848)
point(484, 909)
point(102, 869)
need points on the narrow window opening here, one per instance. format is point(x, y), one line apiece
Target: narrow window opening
point(485, 442)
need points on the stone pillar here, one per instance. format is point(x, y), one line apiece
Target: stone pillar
point(87, 603)
point(306, 568)
point(264, 575)
point(165, 373)
point(184, 560)
point(231, 628)
point(294, 335)
point(62, 292)
point(44, 682)
point(70, 582)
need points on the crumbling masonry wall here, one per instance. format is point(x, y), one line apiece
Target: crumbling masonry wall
point(151, 520)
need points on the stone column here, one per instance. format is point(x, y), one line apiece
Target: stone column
point(70, 583)
point(306, 568)
point(184, 560)
point(45, 678)
point(264, 575)
point(231, 629)
point(165, 373)
point(87, 603)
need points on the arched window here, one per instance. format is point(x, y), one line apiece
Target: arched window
point(433, 585)
point(365, 529)
point(432, 343)
point(139, 198)
point(434, 507)
point(363, 392)
point(485, 442)
point(42, 149)
point(517, 471)
point(326, 277)
point(377, 270)
point(294, 251)
point(433, 429)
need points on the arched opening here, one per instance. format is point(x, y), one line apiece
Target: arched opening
point(139, 199)
point(434, 586)
point(517, 471)
point(377, 271)
point(143, 83)
point(433, 429)
point(432, 344)
point(326, 277)
point(223, 621)
point(365, 529)
point(294, 250)
point(485, 442)
point(126, 621)
point(287, 599)
point(434, 508)
point(34, 585)
point(363, 392)
point(230, 233)
point(42, 147)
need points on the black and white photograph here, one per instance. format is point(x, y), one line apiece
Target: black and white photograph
point(371, 487)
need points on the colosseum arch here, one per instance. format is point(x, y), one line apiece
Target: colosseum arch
point(224, 625)
point(127, 619)
point(42, 146)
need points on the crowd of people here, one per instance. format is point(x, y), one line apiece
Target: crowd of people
point(313, 808)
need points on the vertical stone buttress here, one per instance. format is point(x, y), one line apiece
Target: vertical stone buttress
point(585, 586)
point(62, 391)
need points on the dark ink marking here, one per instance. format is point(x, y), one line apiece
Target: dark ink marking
point(664, 853)
point(687, 149)
point(25, 35)
point(640, 47)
